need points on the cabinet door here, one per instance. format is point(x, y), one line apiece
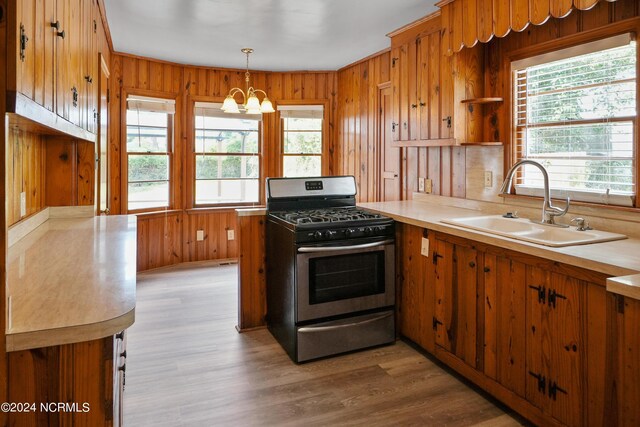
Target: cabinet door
point(26, 38)
point(456, 291)
point(403, 83)
point(74, 57)
point(504, 317)
point(48, 56)
point(395, 92)
point(411, 120)
point(554, 344)
point(416, 284)
point(62, 85)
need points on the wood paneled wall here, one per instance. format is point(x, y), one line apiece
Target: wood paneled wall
point(357, 144)
point(446, 166)
point(358, 121)
point(25, 153)
point(169, 238)
point(51, 171)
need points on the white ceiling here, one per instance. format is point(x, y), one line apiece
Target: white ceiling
point(285, 34)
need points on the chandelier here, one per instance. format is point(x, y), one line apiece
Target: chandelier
point(251, 104)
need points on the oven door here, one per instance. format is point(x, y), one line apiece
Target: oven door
point(344, 277)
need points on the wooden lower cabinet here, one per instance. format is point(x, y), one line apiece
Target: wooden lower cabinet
point(554, 344)
point(70, 384)
point(543, 337)
point(504, 347)
point(456, 287)
point(415, 291)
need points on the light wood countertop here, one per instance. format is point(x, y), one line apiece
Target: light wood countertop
point(251, 211)
point(618, 258)
point(71, 280)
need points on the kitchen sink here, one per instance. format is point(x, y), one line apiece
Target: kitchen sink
point(524, 229)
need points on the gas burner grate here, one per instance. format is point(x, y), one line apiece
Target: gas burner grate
point(327, 215)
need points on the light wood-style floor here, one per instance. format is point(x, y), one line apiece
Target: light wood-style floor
point(187, 366)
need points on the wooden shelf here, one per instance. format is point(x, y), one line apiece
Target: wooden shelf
point(442, 142)
point(485, 144)
point(481, 100)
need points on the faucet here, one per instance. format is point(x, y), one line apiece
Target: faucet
point(549, 212)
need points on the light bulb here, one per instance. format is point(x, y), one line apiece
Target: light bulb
point(266, 106)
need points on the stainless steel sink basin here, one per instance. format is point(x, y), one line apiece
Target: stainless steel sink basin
point(523, 229)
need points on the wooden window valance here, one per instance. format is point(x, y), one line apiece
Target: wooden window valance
point(467, 22)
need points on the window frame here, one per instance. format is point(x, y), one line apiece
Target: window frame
point(548, 48)
point(324, 152)
point(192, 154)
point(171, 150)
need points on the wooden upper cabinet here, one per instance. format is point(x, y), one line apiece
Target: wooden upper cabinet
point(55, 62)
point(421, 83)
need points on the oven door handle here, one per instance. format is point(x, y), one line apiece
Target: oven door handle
point(308, 249)
point(345, 325)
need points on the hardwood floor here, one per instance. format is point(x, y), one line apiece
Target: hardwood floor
point(187, 366)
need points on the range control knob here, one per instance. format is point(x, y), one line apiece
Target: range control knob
point(329, 233)
point(349, 232)
point(317, 235)
point(367, 230)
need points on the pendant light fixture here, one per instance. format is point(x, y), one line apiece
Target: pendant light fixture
point(251, 104)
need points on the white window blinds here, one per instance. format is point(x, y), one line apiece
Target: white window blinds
point(301, 111)
point(575, 113)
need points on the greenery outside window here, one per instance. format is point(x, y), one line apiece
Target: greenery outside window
point(302, 140)
point(227, 156)
point(575, 113)
point(149, 145)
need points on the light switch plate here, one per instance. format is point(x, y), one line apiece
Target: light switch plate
point(421, 184)
point(428, 186)
point(488, 179)
point(23, 203)
point(424, 247)
point(199, 235)
point(231, 235)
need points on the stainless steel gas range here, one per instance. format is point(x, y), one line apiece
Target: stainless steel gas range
point(330, 268)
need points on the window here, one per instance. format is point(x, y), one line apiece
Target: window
point(302, 140)
point(149, 128)
point(575, 113)
point(227, 156)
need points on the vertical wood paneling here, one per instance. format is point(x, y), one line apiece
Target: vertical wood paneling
point(163, 244)
point(25, 173)
point(357, 122)
point(252, 288)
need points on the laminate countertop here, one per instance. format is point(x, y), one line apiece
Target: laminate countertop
point(71, 280)
point(617, 258)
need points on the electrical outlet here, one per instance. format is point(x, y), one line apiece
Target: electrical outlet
point(421, 184)
point(428, 186)
point(231, 235)
point(199, 235)
point(488, 179)
point(23, 203)
point(424, 248)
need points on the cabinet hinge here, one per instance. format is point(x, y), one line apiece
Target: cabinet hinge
point(552, 295)
point(23, 42)
point(542, 381)
point(74, 96)
point(393, 62)
point(542, 293)
point(553, 389)
point(436, 255)
point(108, 96)
point(436, 322)
point(95, 26)
point(619, 304)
